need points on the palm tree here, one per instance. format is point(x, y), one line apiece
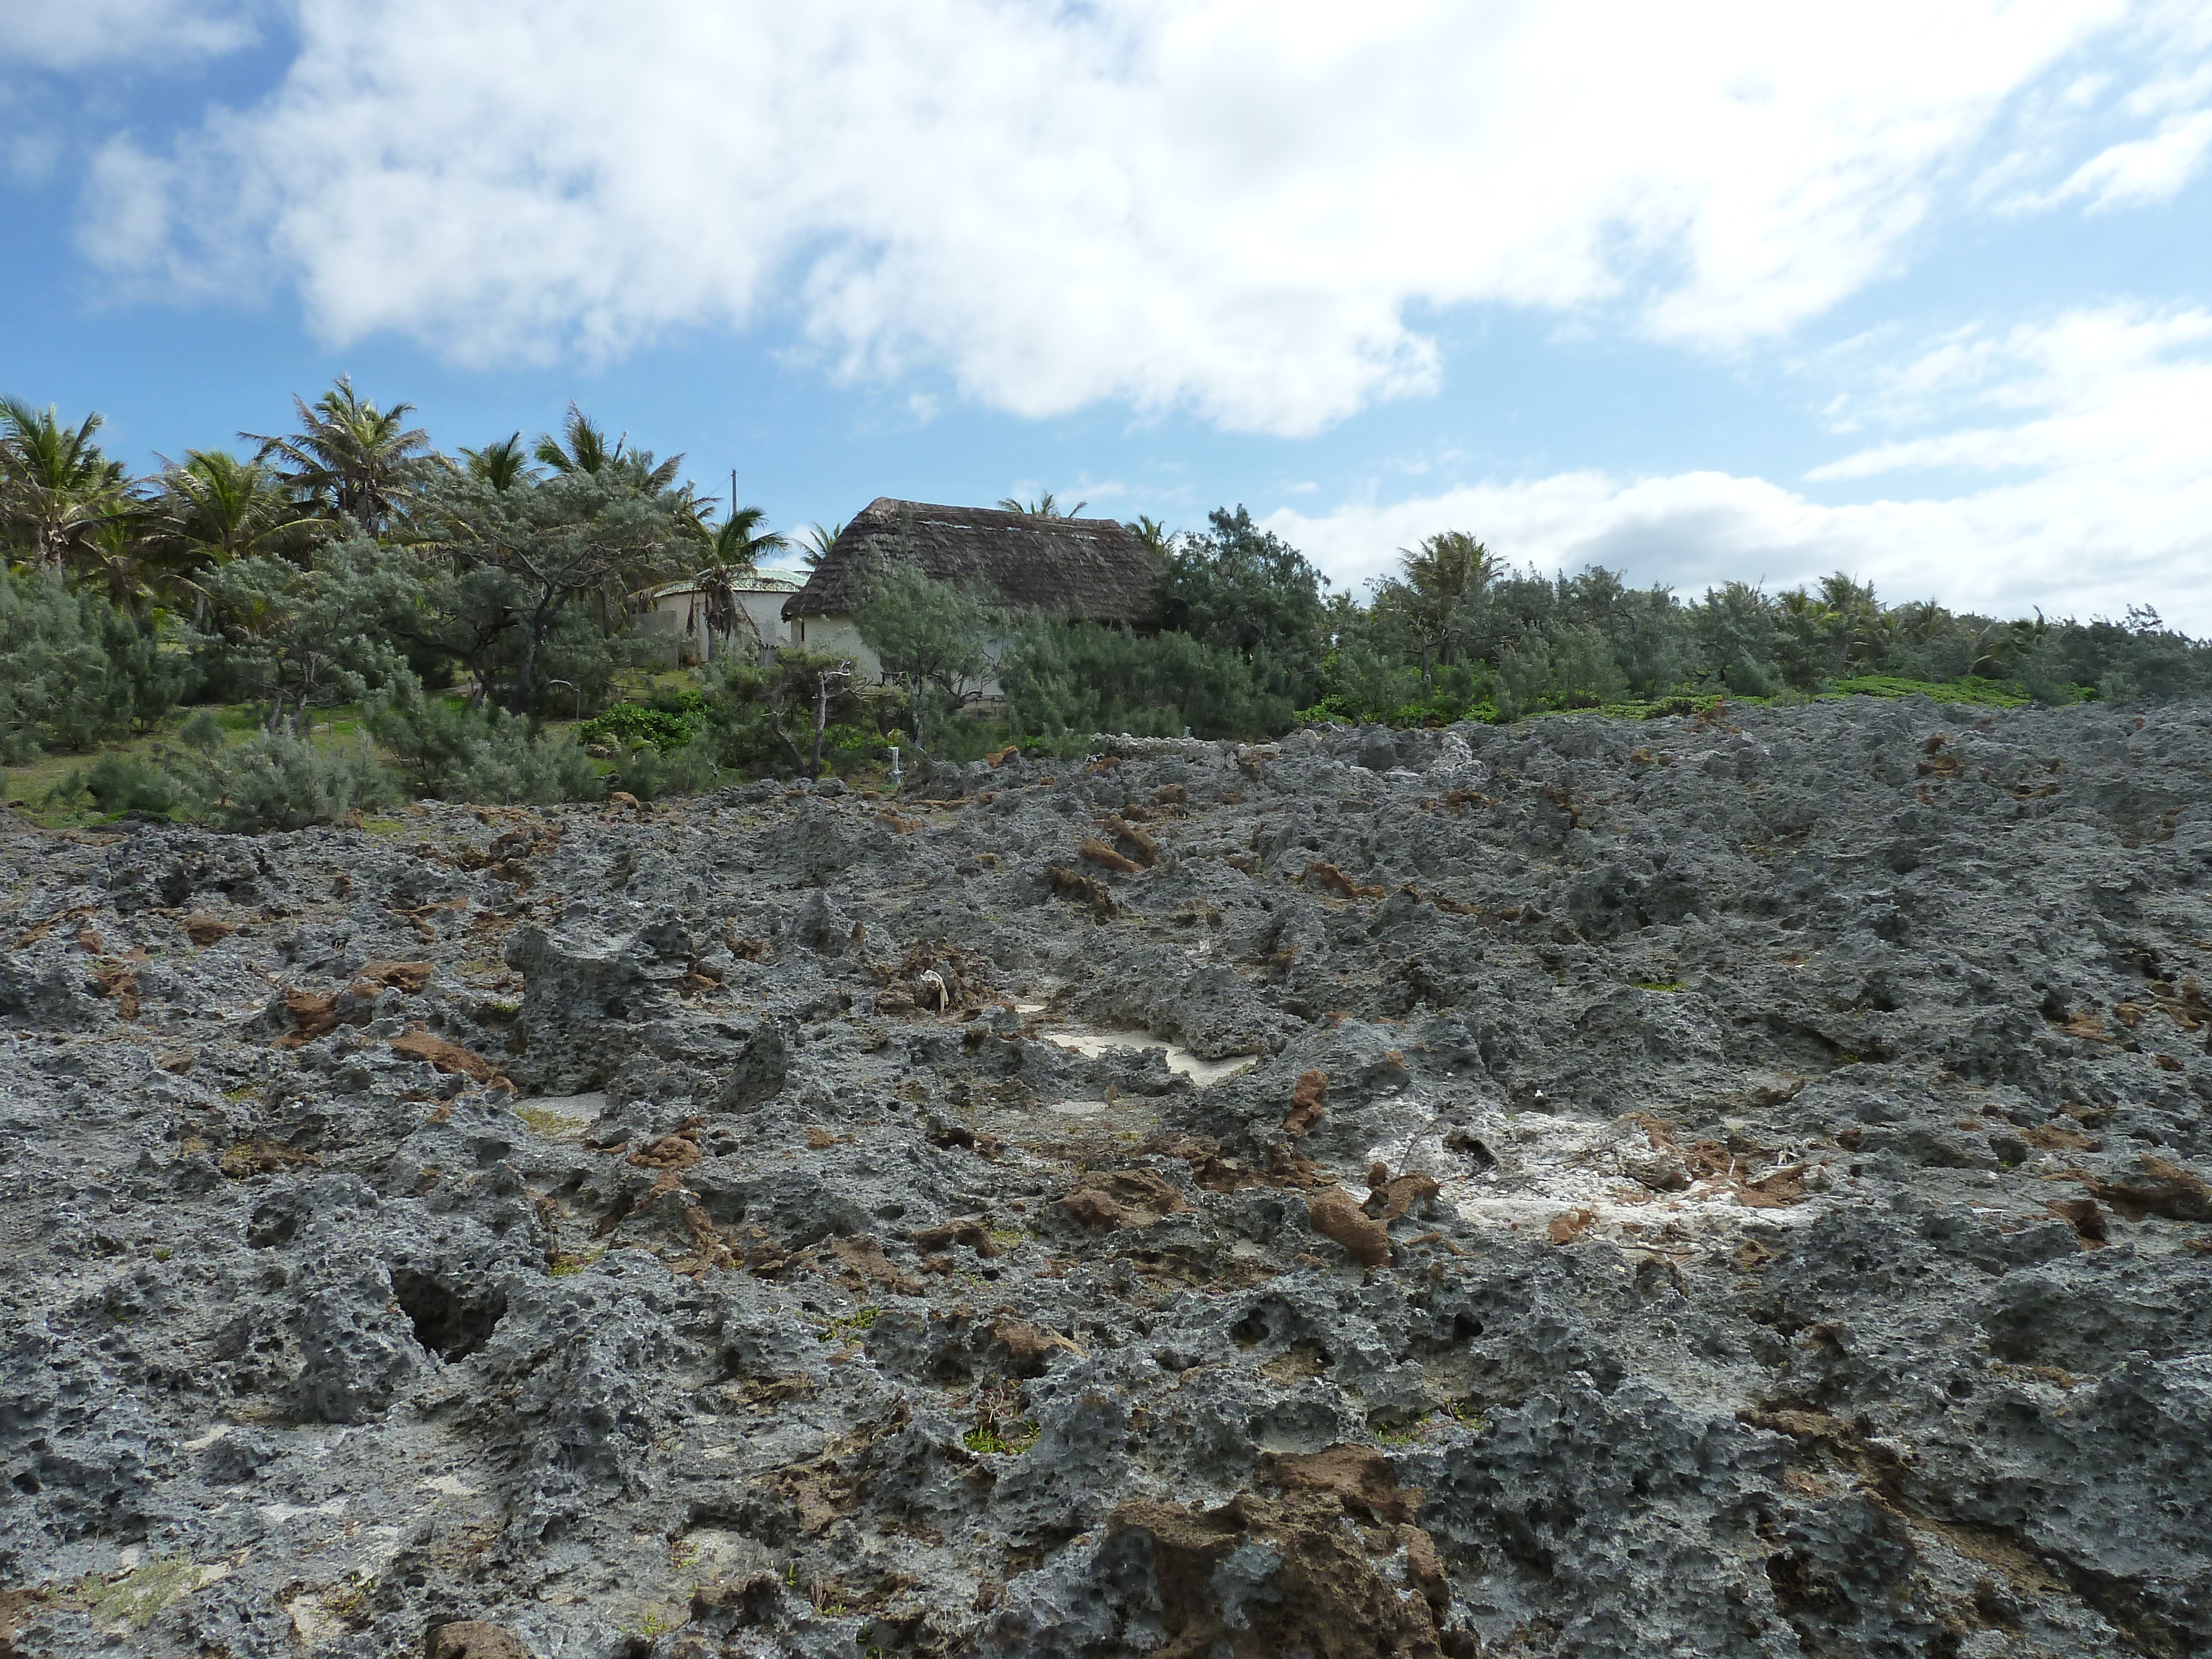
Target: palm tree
point(819, 538)
point(138, 571)
point(586, 448)
point(1442, 571)
point(358, 460)
point(1043, 508)
point(735, 543)
point(582, 447)
point(1158, 540)
point(734, 552)
point(57, 489)
point(216, 507)
point(503, 466)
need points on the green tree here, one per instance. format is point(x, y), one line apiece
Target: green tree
point(933, 637)
point(1156, 537)
point(503, 465)
point(74, 669)
point(354, 461)
point(293, 639)
point(1045, 507)
point(819, 539)
point(58, 491)
point(216, 507)
point(1238, 587)
point(516, 562)
point(732, 555)
point(1436, 578)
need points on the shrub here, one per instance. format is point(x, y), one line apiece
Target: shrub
point(274, 780)
point(74, 669)
point(483, 755)
point(121, 783)
point(628, 723)
point(649, 773)
point(1063, 677)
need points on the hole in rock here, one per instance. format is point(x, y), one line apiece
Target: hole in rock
point(1465, 1328)
point(447, 1323)
point(1248, 1332)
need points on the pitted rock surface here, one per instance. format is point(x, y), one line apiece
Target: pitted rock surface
point(1719, 1186)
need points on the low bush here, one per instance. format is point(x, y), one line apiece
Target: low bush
point(664, 727)
point(74, 670)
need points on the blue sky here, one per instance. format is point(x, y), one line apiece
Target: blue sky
point(1700, 293)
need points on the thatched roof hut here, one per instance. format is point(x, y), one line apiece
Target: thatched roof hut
point(1088, 569)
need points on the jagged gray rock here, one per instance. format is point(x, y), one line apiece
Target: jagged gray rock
point(804, 1222)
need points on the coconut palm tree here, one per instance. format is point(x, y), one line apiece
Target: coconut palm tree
point(734, 552)
point(216, 507)
point(582, 447)
point(503, 466)
point(1045, 507)
point(357, 460)
point(57, 489)
point(819, 538)
point(1158, 540)
point(1444, 570)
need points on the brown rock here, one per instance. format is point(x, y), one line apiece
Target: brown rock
point(203, 929)
point(2164, 1188)
point(382, 976)
point(1566, 1228)
point(1336, 881)
point(2083, 1216)
point(1095, 851)
point(1031, 1348)
point(1334, 1215)
point(1307, 1094)
point(1137, 842)
point(1125, 1198)
point(1073, 884)
point(1359, 1476)
point(314, 1013)
point(965, 1231)
point(417, 1042)
point(1390, 1199)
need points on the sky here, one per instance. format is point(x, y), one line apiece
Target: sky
point(1920, 292)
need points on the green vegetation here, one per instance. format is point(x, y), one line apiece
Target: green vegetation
point(354, 619)
point(1006, 1440)
point(850, 1328)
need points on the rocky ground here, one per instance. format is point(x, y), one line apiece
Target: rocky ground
point(1700, 1187)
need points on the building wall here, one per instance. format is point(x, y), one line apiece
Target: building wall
point(681, 619)
point(837, 632)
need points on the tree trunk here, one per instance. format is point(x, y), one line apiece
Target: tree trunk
point(821, 721)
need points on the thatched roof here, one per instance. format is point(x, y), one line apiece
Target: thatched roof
point(1091, 568)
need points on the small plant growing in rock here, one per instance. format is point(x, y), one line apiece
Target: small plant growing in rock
point(565, 1265)
point(848, 1327)
point(1004, 1440)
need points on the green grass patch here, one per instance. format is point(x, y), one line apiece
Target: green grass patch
point(849, 1328)
point(1970, 692)
point(1007, 1442)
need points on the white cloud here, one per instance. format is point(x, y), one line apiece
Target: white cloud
point(2115, 506)
point(1221, 205)
point(2142, 171)
point(78, 34)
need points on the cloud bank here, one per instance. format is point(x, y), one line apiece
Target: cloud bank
point(1234, 209)
point(2086, 459)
